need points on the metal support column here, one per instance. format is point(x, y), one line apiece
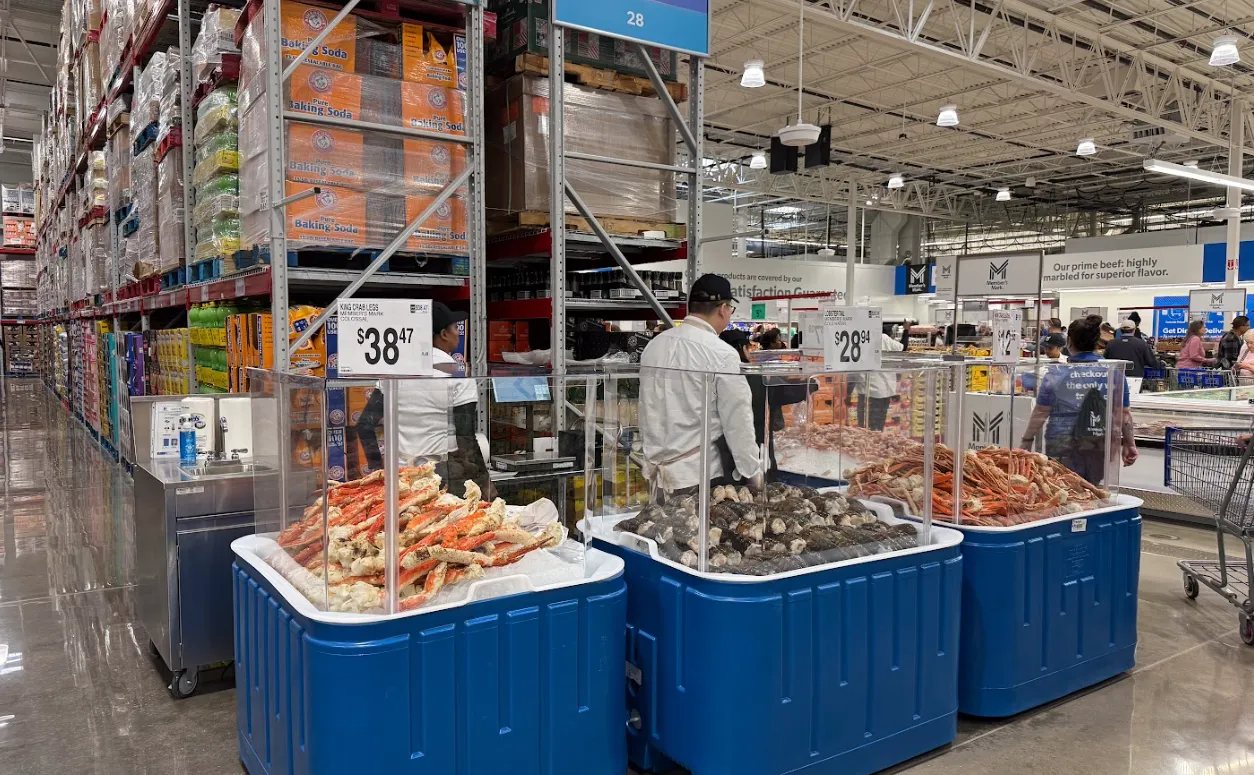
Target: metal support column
point(478, 329)
point(851, 224)
point(276, 184)
point(1237, 138)
point(696, 125)
point(186, 90)
point(557, 193)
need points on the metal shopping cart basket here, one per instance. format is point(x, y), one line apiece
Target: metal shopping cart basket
point(1214, 467)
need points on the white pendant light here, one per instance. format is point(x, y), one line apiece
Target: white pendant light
point(800, 134)
point(948, 116)
point(1191, 164)
point(1224, 52)
point(758, 162)
point(1086, 147)
point(869, 203)
point(1003, 195)
point(896, 181)
point(754, 76)
point(1181, 171)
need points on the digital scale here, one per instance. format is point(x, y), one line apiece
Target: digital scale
point(523, 463)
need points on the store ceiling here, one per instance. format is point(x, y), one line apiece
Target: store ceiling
point(30, 43)
point(1029, 78)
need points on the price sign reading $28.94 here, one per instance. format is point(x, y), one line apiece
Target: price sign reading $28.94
point(1007, 331)
point(384, 337)
point(851, 338)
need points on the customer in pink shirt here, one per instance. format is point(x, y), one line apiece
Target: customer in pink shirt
point(1192, 354)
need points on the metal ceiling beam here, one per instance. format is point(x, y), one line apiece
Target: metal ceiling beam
point(1077, 58)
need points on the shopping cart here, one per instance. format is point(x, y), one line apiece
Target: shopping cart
point(1213, 467)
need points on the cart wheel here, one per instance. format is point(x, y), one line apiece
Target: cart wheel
point(1247, 628)
point(1190, 587)
point(184, 683)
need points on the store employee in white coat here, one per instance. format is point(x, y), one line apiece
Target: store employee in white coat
point(673, 369)
point(424, 408)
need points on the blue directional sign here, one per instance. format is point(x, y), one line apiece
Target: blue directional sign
point(683, 25)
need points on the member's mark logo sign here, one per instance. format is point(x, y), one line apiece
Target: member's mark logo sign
point(986, 428)
point(916, 278)
point(998, 271)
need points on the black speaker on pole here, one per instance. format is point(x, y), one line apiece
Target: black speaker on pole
point(783, 157)
point(819, 153)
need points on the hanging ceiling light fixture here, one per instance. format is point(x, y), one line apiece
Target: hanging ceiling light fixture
point(896, 181)
point(1192, 164)
point(800, 134)
point(1086, 147)
point(1224, 52)
point(758, 161)
point(1003, 195)
point(754, 75)
point(948, 116)
point(1181, 171)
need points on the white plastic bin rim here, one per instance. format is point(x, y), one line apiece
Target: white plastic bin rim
point(598, 565)
point(1122, 503)
point(603, 528)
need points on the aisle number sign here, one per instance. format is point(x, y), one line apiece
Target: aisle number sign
point(1217, 300)
point(1007, 332)
point(851, 339)
point(683, 25)
point(384, 337)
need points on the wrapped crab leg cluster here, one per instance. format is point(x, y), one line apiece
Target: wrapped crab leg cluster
point(779, 529)
point(444, 539)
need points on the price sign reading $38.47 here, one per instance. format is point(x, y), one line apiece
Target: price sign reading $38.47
point(384, 337)
point(851, 338)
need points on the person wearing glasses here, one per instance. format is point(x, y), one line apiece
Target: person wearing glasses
point(673, 373)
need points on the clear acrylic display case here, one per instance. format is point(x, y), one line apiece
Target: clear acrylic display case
point(476, 514)
point(1039, 440)
point(670, 489)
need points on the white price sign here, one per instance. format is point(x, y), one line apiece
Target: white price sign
point(1007, 331)
point(851, 338)
point(384, 337)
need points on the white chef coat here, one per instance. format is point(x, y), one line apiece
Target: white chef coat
point(671, 406)
point(883, 384)
point(424, 407)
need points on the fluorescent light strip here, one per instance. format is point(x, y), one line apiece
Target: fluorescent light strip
point(1205, 176)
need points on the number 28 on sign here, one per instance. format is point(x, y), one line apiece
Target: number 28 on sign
point(851, 339)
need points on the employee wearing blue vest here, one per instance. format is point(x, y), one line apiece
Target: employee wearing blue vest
point(1071, 406)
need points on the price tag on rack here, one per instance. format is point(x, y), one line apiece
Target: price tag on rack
point(1007, 332)
point(384, 337)
point(851, 338)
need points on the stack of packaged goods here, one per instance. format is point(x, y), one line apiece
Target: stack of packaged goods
point(216, 177)
point(136, 381)
point(372, 183)
point(104, 378)
point(94, 244)
point(89, 400)
point(21, 350)
point(215, 214)
point(88, 70)
point(19, 232)
point(249, 344)
point(171, 245)
point(208, 326)
point(142, 221)
point(167, 368)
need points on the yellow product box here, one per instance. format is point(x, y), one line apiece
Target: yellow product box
point(312, 356)
point(302, 23)
point(263, 335)
point(444, 231)
point(321, 155)
point(232, 347)
point(321, 92)
point(425, 59)
point(430, 164)
point(433, 108)
point(335, 216)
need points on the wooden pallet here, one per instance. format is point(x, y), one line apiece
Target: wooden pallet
point(598, 78)
point(614, 224)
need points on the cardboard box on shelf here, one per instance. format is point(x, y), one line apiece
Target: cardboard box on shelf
point(433, 108)
point(430, 164)
point(444, 231)
point(321, 92)
point(336, 216)
point(433, 56)
point(322, 155)
point(302, 23)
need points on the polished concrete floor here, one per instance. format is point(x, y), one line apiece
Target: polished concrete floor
point(79, 693)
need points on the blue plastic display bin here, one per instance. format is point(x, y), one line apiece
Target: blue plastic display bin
point(528, 684)
point(847, 669)
point(1048, 608)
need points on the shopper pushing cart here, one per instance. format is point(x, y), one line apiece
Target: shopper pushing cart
point(1214, 468)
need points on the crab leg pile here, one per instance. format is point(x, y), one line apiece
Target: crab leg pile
point(444, 539)
point(1000, 487)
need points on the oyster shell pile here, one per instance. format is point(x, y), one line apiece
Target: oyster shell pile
point(779, 529)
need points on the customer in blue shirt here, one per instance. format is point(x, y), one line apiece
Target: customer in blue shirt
point(1071, 407)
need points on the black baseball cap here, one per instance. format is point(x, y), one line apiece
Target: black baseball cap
point(711, 287)
point(442, 317)
point(1054, 340)
point(734, 337)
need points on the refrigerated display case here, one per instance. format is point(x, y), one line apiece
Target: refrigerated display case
point(790, 578)
point(1152, 414)
point(413, 610)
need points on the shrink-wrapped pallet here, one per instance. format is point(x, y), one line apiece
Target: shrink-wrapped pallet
point(596, 121)
point(171, 245)
point(144, 200)
point(217, 37)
